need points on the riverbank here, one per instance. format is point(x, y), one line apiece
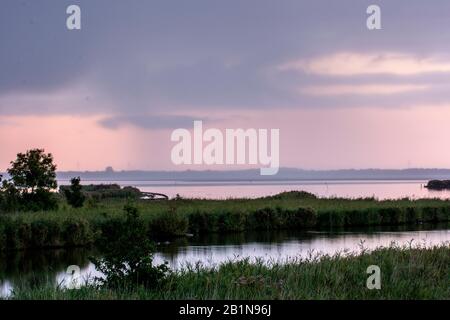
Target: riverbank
point(406, 273)
point(69, 227)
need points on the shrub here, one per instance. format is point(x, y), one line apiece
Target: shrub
point(105, 191)
point(128, 254)
point(74, 195)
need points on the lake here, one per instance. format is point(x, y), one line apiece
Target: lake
point(381, 189)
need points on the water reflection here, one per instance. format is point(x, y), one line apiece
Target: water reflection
point(37, 268)
point(278, 246)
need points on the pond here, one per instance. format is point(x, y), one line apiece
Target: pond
point(50, 266)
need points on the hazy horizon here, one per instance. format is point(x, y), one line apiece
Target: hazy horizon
point(284, 174)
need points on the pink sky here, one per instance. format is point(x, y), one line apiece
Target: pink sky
point(311, 139)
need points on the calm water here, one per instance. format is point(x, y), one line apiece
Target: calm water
point(391, 189)
point(50, 265)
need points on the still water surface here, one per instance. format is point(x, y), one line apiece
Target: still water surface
point(46, 266)
point(381, 189)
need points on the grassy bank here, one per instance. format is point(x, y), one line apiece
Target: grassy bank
point(68, 227)
point(406, 273)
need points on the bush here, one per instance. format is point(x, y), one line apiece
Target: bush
point(74, 195)
point(128, 254)
point(105, 191)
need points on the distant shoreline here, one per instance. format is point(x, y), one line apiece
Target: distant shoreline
point(187, 183)
point(253, 176)
point(284, 174)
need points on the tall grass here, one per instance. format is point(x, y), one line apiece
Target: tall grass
point(293, 210)
point(406, 273)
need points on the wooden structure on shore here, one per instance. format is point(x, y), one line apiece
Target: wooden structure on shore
point(153, 196)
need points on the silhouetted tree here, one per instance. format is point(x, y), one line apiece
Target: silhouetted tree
point(33, 176)
point(33, 170)
point(74, 194)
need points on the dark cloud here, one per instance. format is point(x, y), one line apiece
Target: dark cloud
point(149, 57)
point(150, 121)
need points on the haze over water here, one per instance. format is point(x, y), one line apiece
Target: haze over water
point(380, 189)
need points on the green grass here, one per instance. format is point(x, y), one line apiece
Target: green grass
point(406, 273)
point(67, 227)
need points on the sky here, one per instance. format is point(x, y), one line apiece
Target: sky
point(341, 95)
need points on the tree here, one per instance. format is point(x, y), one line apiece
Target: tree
point(33, 170)
point(32, 177)
point(75, 197)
